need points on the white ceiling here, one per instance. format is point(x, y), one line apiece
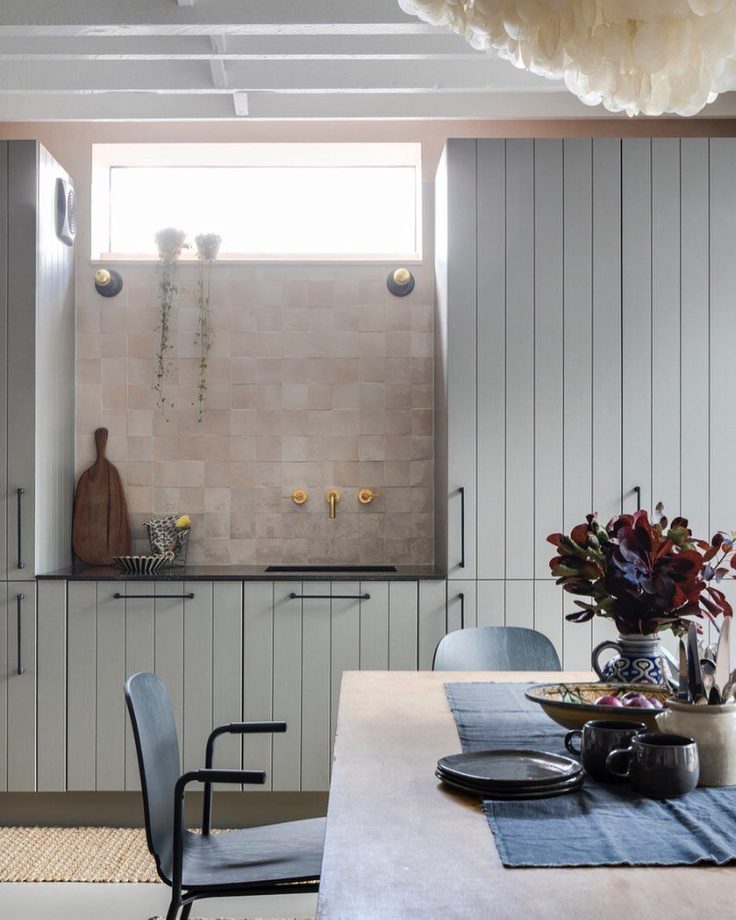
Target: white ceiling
point(174, 59)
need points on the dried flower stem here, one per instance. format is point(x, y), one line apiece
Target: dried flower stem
point(205, 334)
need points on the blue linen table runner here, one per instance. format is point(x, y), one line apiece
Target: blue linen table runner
point(605, 824)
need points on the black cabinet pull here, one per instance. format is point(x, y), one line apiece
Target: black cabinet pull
point(637, 490)
point(329, 597)
point(461, 490)
point(21, 493)
point(20, 633)
point(155, 597)
point(461, 598)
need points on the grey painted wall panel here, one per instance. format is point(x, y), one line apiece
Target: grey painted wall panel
point(52, 686)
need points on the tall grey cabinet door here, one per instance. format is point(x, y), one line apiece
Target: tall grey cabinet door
point(4, 504)
point(19, 601)
point(459, 291)
point(51, 684)
point(21, 367)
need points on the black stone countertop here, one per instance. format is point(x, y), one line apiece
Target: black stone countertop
point(243, 573)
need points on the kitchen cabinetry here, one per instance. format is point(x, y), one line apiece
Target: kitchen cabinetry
point(585, 323)
point(227, 651)
point(18, 686)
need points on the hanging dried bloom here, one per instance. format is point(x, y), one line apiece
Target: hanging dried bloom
point(208, 246)
point(170, 243)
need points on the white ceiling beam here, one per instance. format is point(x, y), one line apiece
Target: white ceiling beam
point(206, 17)
point(265, 106)
point(442, 46)
point(485, 73)
point(242, 106)
point(218, 71)
point(185, 2)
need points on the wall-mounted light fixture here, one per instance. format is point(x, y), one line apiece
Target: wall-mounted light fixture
point(400, 282)
point(108, 282)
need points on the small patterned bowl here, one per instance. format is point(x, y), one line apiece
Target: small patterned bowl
point(572, 705)
point(141, 565)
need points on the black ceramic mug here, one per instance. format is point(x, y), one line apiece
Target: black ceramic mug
point(660, 766)
point(597, 739)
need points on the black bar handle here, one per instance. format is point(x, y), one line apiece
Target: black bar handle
point(637, 490)
point(148, 597)
point(21, 669)
point(461, 597)
point(21, 493)
point(329, 597)
point(461, 490)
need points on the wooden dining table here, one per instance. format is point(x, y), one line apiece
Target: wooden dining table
point(399, 845)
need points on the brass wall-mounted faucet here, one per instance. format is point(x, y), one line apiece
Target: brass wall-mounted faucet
point(298, 496)
point(332, 497)
point(366, 496)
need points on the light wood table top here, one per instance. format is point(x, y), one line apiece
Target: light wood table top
point(399, 845)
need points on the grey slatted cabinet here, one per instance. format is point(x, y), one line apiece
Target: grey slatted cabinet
point(18, 606)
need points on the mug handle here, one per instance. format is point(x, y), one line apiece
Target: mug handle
point(601, 647)
point(615, 757)
point(569, 738)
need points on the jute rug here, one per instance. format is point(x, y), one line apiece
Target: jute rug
point(75, 854)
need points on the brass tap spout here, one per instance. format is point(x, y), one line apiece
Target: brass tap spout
point(332, 497)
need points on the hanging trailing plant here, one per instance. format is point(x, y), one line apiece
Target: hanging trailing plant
point(170, 243)
point(208, 246)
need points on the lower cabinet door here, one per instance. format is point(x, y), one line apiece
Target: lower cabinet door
point(18, 685)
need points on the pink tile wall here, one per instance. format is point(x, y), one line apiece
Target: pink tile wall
point(318, 378)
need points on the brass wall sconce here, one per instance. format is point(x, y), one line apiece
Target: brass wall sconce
point(400, 282)
point(298, 496)
point(366, 496)
point(108, 282)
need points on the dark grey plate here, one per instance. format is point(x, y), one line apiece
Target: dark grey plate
point(509, 769)
point(514, 789)
point(545, 792)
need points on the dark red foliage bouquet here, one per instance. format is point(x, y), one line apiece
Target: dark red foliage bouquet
point(646, 577)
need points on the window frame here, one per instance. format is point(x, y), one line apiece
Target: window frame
point(105, 157)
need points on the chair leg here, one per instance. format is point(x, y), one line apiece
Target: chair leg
point(187, 910)
point(173, 910)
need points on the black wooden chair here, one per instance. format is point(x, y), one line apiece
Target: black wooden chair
point(496, 648)
point(275, 859)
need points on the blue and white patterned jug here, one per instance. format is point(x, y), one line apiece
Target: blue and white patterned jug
point(639, 661)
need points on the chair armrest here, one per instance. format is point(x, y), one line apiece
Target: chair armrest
point(207, 777)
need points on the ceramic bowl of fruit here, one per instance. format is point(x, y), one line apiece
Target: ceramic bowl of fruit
point(572, 705)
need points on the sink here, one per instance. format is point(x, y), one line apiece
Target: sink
point(331, 568)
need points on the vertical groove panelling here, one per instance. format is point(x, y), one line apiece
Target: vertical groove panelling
point(490, 603)
point(4, 506)
point(140, 645)
point(82, 662)
point(403, 597)
point(22, 698)
point(168, 632)
point(519, 609)
point(258, 674)
point(198, 676)
point(318, 641)
point(4, 681)
point(491, 366)
point(519, 359)
point(345, 643)
point(227, 665)
point(606, 378)
point(722, 325)
point(287, 685)
point(666, 376)
point(578, 355)
point(111, 716)
point(548, 374)
point(51, 686)
point(550, 605)
point(636, 219)
point(432, 620)
point(374, 627)
point(695, 346)
point(461, 363)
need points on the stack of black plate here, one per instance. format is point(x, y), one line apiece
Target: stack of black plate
point(511, 774)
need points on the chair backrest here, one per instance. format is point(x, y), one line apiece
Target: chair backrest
point(496, 648)
point(157, 745)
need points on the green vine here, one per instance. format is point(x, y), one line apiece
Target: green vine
point(208, 245)
point(170, 243)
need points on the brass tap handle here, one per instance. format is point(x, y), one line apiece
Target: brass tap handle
point(366, 496)
point(298, 496)
point(332, 497)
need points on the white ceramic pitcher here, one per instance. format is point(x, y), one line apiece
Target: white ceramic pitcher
point(714, 730)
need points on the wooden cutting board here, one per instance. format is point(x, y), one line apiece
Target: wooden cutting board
point(101, 526)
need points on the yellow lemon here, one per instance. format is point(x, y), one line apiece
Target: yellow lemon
point(184, 521)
